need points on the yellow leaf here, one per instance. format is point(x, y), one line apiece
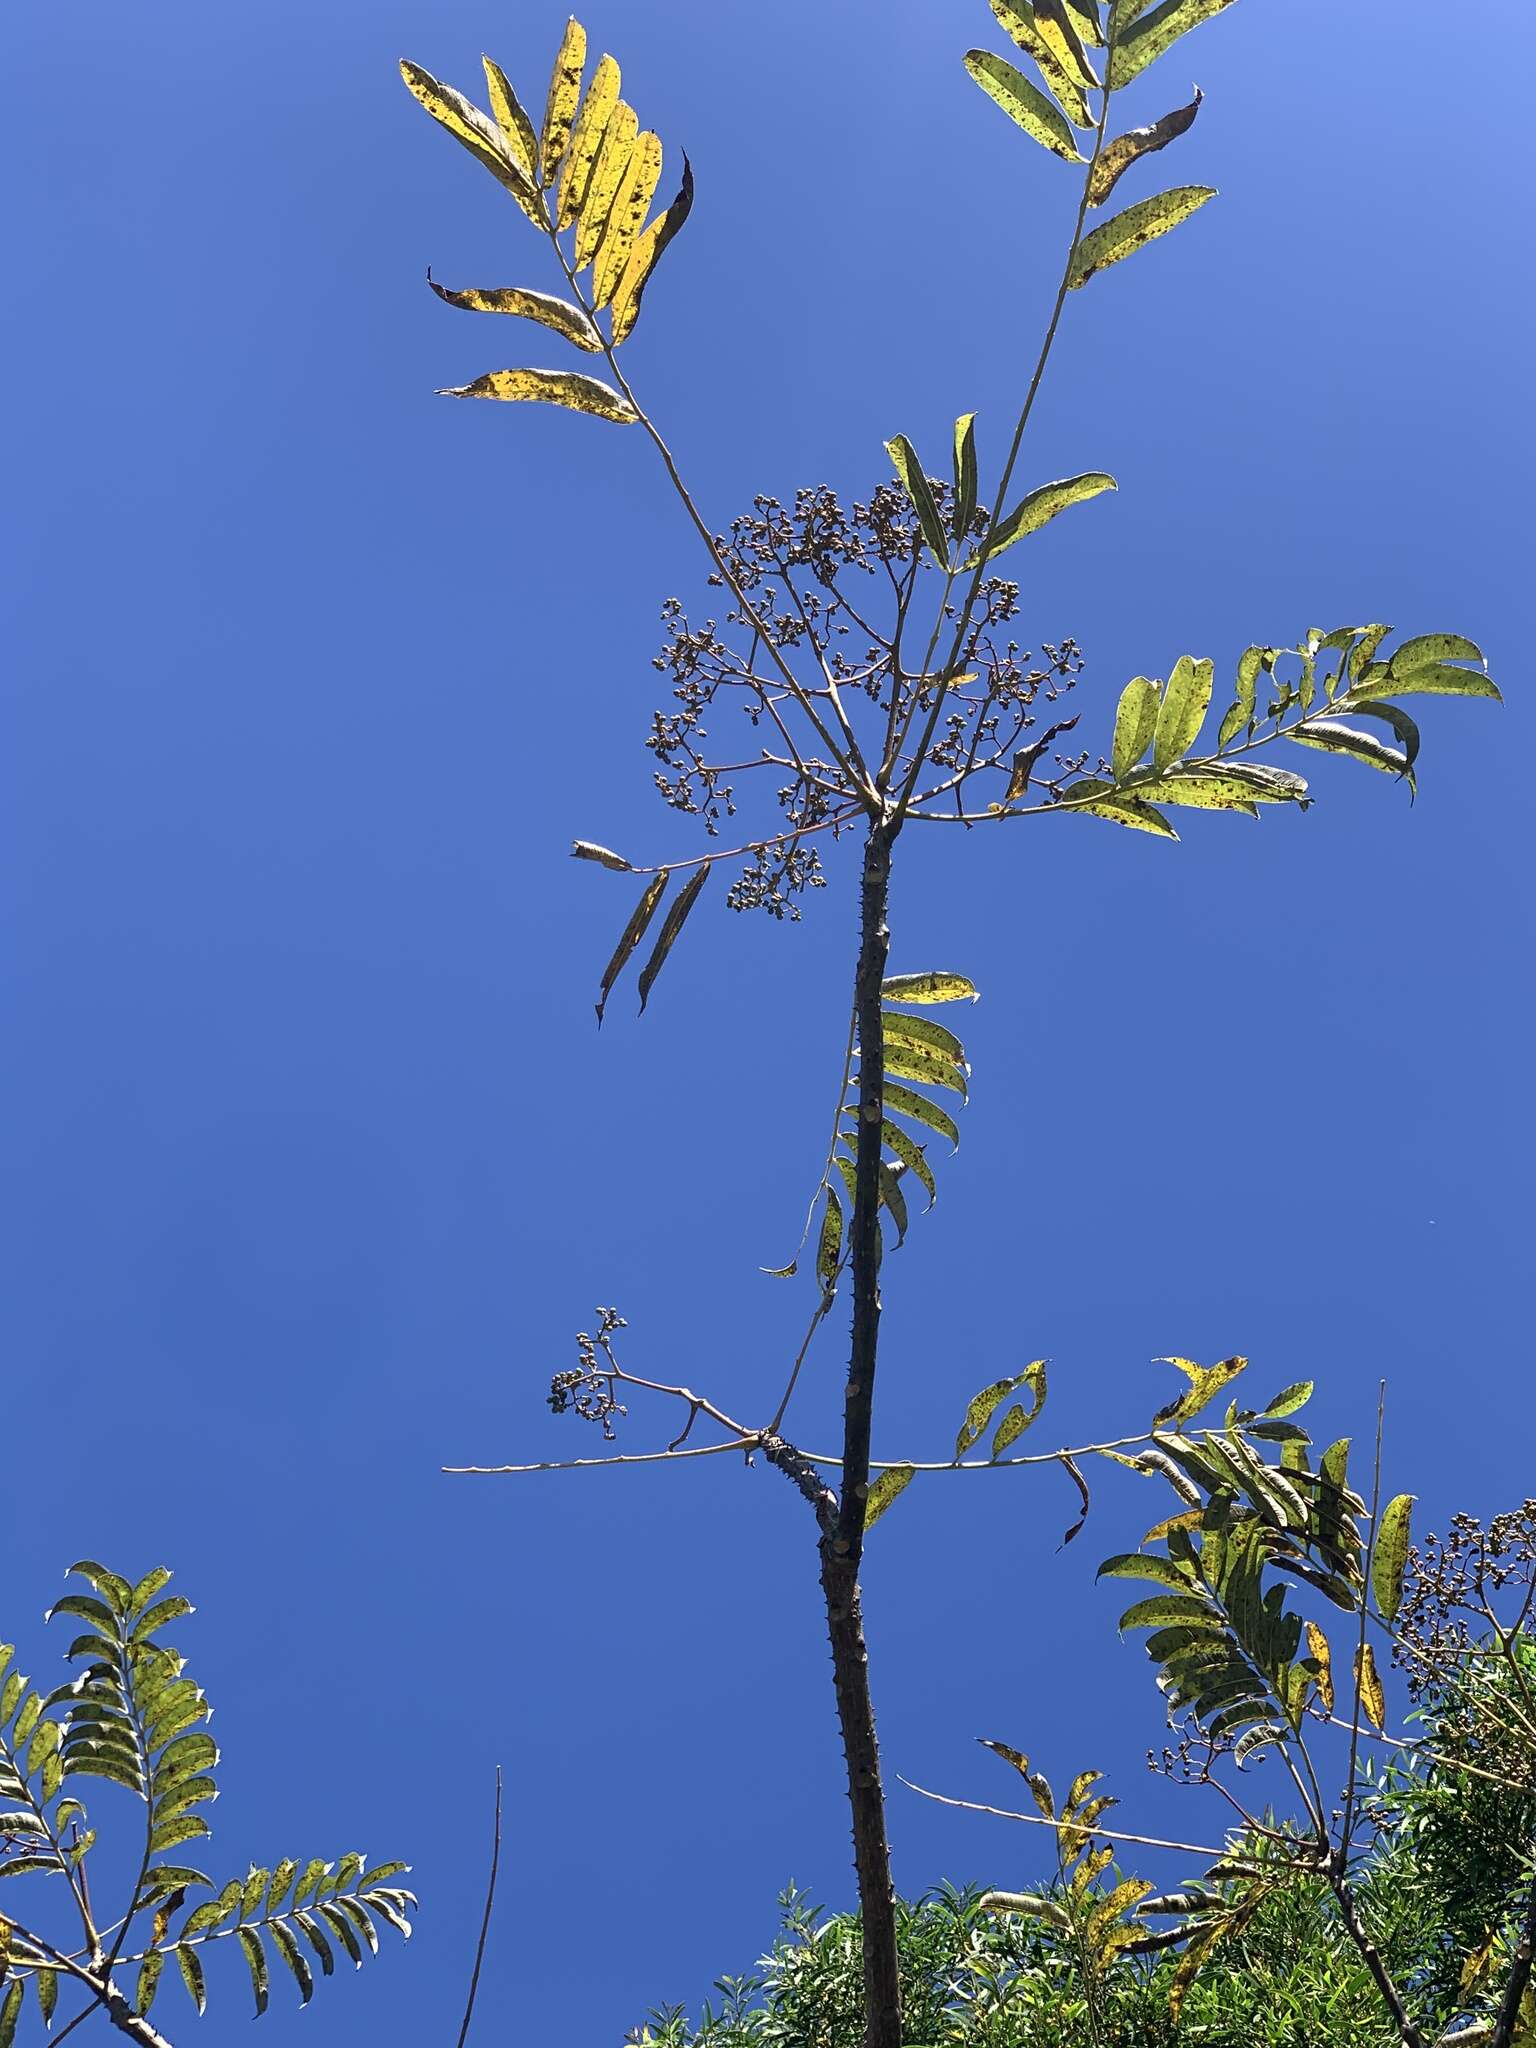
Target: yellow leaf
point(646, 254)
point(511, 119)
point(559, 314)
point(586, 140)
point(626, 216)
point(603, 185)
point(894, 1480)
point(564, 92)
point(1317, 1644)
point(1372, 1697)
point(555, 387)
point(1132, 230)
point(476, 131)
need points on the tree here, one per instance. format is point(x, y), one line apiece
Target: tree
point(868, 647)
point(133, 1718)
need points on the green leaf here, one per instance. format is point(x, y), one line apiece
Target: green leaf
point(1093, 798)
point(184, 1758)
point(148, 1981)
point(893, 1481)
point(342, 1928)
point(1186, 788)
point(295, 1958)
point(1332, 736)
point(965, 487)
point(1156, 32)
point(313, 1934)
point(1241, 716)
point(376, 1876)
point(1125, 233)
point(10, 2010)
point(256, 1963)
point(829, 1246)
point(646, 253)
point(1040, 508)
point(152, 1583)
point(87, 1609)
point(1428, 650)
point(911, 1062)
point(911, 1155)
point(904, 459)
point(570, 388)
point(565, 319)
point(157, 1617)
point(277, 1891)
point(1182, 712)
point(928, 988)
point(1433, 679)
point(672, 924)
point(1402, 725)
point(43, 1746)
point(1289, 1399)
point(360, 1920)
point(1135, 723)
point(1266, 785)
point(1018, 1418)
point(1164, 1610)
point(920, 1109)
point(186, 1827)
point(474, 130)
point(1116, 158)
point(190, 1964)
point(919, 1031)
point(630, 937)
point(1135, 1564)
point(1023, 103)
point(1389, 1559)
point(983, 1406)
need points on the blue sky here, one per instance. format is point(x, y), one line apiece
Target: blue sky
point(314, 1162)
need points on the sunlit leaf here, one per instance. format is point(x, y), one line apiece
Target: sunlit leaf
point(904, 459)
point(1182, 713)
point(908, 1061)
point(190, 1964)
point(1097, 799)
point(10, 2010)
point(936, 987)
point(645, 254)
point(294, 1957)
point(586, 140)
point(911, 1155)
point(829, 1245)
point(1023, 103)
point(603, 184)
point(1041, 506)
point(1322, 1656)
point(1191, 788)
point(965, 475)
point(904, 1101)
point(893, 1481)
point(565, 319)
point(671, 925)
point(1432, 679)
point(517, 129)
point(983, 1406)
point(1136, 1564)
point(1135, 723)
point(921, 1031)
point(1401, 724)
point(630, 937)
point(583, 849)
point(1427, 650)
point(1116, 158)
point(1046, 44)
point(1289, 1399)
point(564, 94)
point(475, 131)
point(1125, 233)
point(626, 216)
point(1389, 1557)
point(1156, 32)
point(552, 387)
point(1372, 1696)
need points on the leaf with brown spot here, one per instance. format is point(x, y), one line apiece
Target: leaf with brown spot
point(893, 1482)
point(1135, 723)
point(1389, 1557)
point(1372, 1696)
point(1024, 104)
point(1118, 156)
point(1322, 1656)
point(516, 128)
point(564, 93)
point(626, 216)
point(477, 133)
point(1094, 798)
point(558, 314)
point(553, 387)
point(1155, 32)
point(602, 186)
point(646, 254)
point(1039, 507)
point(935, 987)
point(630, 937)
point(1019, 21)
point(584, 849)
point(1127, 232)
point(829, 1246)
point(586, 140)
point(672, 924)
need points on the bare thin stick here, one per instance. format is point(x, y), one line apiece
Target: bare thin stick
point(1039, 1821)
point(746, 1443)
point(485, 1918)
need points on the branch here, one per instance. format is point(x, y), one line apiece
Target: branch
point(485, 1918)
point(1038, 1821)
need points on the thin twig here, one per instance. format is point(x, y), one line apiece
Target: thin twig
point(485, 1918)
point(1039, 1821)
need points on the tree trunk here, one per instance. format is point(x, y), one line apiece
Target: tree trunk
point(842, 1545)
